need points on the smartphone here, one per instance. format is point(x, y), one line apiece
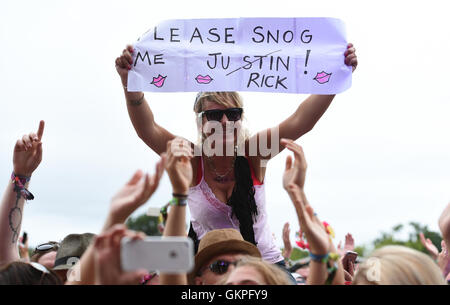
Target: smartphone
point(171, 254)
point(24, 237)
point(350, 256)
point(353, 255)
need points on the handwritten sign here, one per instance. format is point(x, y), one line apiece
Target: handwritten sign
point(286, 55)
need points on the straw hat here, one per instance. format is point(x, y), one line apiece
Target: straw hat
point(219, 242)
point(71, 249)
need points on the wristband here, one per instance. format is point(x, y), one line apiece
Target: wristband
point(330, 260)
point(319, 258)
point(182, 196)
point(178, 201)
point(19, 186)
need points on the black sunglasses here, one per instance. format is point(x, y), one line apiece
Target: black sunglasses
point(233, 114)
point(221, 266)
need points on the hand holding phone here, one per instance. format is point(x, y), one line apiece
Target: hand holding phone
point(348, 261)
point(165, 254)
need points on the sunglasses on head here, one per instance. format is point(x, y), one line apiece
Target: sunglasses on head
point(233, 114)
point(221, 266)
point(46, 247)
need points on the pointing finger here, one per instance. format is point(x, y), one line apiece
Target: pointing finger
point(40, 129)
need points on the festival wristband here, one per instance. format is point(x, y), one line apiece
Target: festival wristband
point(329, 259)
point(178, 201)
point(182, 196)
point(19, 186)
point(319, 258)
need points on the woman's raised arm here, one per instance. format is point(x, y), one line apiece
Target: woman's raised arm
point(155, 136)
point(303, 119)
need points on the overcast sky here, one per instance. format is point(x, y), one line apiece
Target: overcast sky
point(380, 155)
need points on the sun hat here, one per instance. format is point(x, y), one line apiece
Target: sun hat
point(71, 249)
point(219, 242)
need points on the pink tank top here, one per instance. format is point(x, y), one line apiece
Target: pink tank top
point(209, 213)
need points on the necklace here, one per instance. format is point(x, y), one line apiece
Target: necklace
point(221, 178)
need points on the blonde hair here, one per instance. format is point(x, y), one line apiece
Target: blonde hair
point(227, 99)
point(231, 99)
point(271, 274)
point(398, 265)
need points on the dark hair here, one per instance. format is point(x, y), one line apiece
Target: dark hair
point(20, 273)
point(242, 200)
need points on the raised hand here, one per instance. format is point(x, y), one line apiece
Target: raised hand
point(294, 174)
point(431, 248)
point(293, 181)
point(123, 64)
point(349, 243)
point(350, 57)
point(348, 246)
point(107, 258)
point(179, 168)
point(348, 275)
point(135, 193)
point(28, 152)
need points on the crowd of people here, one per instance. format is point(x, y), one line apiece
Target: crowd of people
point(221, 180)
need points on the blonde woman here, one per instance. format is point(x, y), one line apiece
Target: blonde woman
point(227, 187)
point(398, 265)
point(251, 270)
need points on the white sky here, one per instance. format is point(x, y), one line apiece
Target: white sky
point(379, 156)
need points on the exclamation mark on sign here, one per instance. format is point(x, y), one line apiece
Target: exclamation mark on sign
point(306, 60)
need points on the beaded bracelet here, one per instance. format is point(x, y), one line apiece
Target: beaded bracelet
point(19, 186)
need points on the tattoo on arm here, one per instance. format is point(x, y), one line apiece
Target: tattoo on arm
point(139, 101)
point(15, 219)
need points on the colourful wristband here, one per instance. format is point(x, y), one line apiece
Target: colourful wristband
point(319, 258)
point(19, 186)
point(178, 201)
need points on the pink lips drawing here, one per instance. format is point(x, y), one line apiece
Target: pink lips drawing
point(158, 81)
point(322, 77)
point(203, 79)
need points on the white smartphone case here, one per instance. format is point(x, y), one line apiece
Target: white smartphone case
point(165, 254)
